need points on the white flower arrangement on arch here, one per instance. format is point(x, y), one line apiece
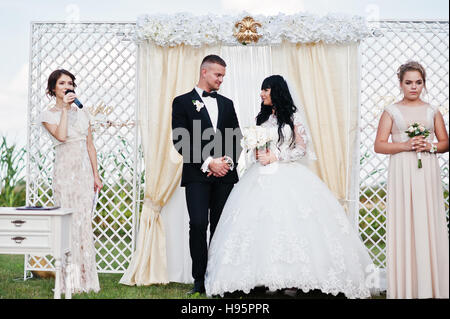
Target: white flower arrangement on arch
point(185, 28)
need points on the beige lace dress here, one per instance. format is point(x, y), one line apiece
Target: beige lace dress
point(73, 187)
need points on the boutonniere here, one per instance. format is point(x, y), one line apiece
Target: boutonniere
point(198, 105)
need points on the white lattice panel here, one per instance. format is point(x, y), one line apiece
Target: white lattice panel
point(395, 43)
point(103, 59)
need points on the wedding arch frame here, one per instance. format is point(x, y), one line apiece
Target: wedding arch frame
point(104, 56)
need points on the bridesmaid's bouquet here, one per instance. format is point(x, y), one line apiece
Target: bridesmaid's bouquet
point(417, 129)
point(257, 138)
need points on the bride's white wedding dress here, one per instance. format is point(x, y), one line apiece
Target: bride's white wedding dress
point(282, 227)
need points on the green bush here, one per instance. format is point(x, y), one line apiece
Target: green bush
point(13, 185)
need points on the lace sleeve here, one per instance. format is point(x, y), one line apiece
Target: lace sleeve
point(291, 153)
point(287, 153)
point(48, 117)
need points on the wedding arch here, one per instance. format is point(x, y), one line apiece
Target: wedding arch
point(343, 68)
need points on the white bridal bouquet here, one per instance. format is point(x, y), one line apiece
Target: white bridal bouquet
point(257, 138)
point(254, 138)
point(417, 129)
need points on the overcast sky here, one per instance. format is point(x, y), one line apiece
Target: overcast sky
point(16, 15)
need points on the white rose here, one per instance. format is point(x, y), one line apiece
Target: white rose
point(252, 142)
point(411, 129)
point(249, 138)
point(421, 128)
point(261, 136)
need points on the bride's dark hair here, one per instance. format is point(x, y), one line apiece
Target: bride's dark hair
point(282, 103)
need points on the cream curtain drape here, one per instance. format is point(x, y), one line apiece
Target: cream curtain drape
point(247, 67)
point(163, 74)
point(326, 77)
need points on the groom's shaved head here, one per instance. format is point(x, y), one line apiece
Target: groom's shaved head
point(211, 59)
point(212, 71)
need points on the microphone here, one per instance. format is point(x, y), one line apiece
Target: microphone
point(76, 101)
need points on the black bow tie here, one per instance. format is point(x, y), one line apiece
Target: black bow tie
point(213, 94)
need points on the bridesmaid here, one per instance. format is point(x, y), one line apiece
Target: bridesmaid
point(417, 236)
point(75, 175)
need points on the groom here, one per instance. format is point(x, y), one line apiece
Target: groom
point(206, 133)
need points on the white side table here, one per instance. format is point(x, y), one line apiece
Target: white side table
point(39, 233)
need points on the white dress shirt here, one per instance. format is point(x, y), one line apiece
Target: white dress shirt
point(211, 107)
point(213, 111)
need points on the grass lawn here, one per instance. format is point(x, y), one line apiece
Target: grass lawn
point(12, 286)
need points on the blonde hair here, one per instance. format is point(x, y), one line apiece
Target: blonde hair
point(411, 66)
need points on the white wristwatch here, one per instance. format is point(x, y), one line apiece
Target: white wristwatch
point(433, 148)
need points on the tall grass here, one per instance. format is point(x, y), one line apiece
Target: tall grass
point(12, 166)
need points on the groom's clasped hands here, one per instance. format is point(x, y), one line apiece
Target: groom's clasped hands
point(218, 167)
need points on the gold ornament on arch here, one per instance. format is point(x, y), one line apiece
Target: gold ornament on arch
point(246, 32)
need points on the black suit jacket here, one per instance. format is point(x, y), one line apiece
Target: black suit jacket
point(195, 140)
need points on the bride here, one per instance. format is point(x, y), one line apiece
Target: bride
point(281, 226)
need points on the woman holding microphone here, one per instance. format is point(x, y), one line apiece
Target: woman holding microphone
point(75, 175)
